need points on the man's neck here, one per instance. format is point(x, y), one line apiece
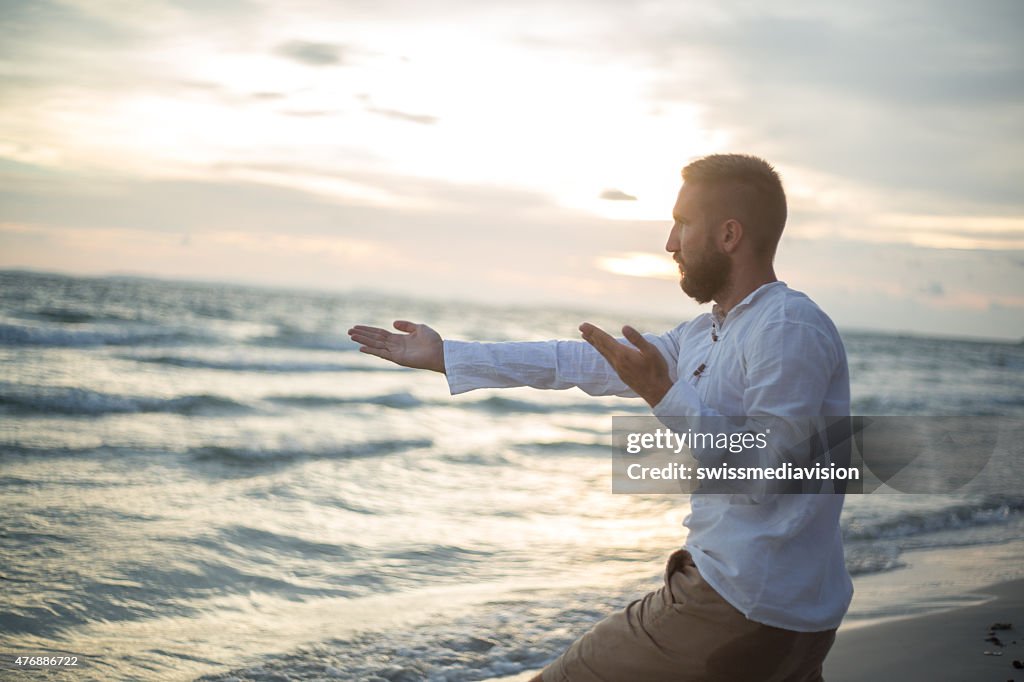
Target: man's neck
point(740, 287)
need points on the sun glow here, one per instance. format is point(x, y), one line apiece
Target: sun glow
point(556, 124)
point(638, 264)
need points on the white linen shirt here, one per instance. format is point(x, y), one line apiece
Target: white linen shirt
point(780, 560)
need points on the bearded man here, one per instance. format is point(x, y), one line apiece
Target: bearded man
point(760, 586)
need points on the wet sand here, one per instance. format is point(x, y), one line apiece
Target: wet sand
point(949, 645)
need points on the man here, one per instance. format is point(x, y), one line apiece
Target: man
point(761, 584)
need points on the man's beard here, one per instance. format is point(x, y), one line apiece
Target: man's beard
point(705, 276)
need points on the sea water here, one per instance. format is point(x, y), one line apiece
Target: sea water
point(202, 480)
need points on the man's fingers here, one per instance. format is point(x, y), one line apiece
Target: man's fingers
point(379, 352)
point(596, 335)
point(382, 334)
point(369, 332)
point(638, 340)
point(600, 339)
point(363, 330)
point(376, 339)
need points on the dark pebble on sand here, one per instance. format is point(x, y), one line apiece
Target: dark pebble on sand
point(1019, 665)
point(1001, 626)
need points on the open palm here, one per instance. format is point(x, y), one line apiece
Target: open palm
point(419, 347)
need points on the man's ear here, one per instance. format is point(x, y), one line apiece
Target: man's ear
point(731, 235)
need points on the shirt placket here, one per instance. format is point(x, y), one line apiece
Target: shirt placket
point(702, 368)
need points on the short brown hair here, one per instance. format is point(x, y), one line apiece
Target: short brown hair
point(746, 188)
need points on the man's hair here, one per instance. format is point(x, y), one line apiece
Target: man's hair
point(746, 188)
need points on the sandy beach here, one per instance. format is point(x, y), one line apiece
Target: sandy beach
point(945, 646)
point(949, 645)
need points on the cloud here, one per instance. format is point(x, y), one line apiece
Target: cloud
point(422, 119)
point(311, 113)
point(919, 101)
point(311, 53)
point(616, 195)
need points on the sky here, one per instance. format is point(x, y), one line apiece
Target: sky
point(519, 151)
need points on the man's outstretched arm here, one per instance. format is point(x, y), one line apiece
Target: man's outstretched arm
point(472, 365)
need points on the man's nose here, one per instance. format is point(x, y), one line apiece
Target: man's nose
point(672, 245)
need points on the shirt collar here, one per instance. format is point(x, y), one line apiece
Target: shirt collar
point(716, 310)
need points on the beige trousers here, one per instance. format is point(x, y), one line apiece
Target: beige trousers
point(685, 632)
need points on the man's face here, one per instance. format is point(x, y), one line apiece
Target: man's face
point(704, 269)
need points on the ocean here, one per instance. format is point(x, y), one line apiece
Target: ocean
point(206, 481)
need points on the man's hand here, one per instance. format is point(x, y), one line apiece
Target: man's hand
point(644, 370)
point(420, 347)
